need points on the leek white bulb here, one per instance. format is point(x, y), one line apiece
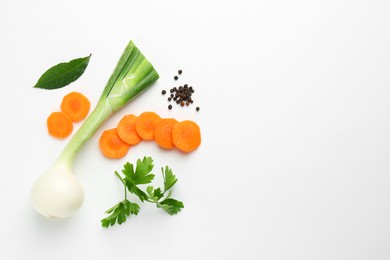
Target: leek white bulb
point(57, 193)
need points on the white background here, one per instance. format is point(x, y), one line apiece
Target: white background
point(295, 108)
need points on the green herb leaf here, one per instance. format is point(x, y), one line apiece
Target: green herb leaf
point(171, 206)
point(154, 194)
point(137, 191)
point(150, 191)
point(142, 173)
point(157, 194)
point(132, 208)
point(119, 213)
point(63, 74)
point(169, 178)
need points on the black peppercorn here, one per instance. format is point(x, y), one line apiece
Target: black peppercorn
point(182, 95)
point(180, 71)
point(170, 107)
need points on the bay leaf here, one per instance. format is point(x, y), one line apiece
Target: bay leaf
point(63, 74)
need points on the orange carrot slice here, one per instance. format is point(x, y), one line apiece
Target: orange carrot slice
point(163, 132)
point(111, 145)
point(145, 125)
point(59, 125)
point(126, 130)
point(186, 136)
point(76, 106)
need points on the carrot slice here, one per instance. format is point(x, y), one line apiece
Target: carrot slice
point(59, 125)
point(111, 145)
point(126, 130)
point(186, 136)
point(163, 132)
point(145, 125)
point(76, 106)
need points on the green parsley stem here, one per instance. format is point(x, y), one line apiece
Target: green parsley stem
point(120, 178)
point(123, 181)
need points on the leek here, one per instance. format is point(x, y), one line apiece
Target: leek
point(57, 193)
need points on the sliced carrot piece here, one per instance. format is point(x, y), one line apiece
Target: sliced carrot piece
point(163, 132)
point(126, 130)
point(186, 135)
point(145, 125)
point(59, 125)
point(111, 145)
point(76, 106)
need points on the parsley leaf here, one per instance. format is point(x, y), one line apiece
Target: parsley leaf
point(169, 178)
point(119, 213)
point(171, 206)
point(158, 194)
point(137, 191)
point(141, 175)
point(154, 194)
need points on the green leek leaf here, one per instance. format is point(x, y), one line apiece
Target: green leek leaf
point(63, 74)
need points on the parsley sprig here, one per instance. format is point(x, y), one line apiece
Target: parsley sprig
point(141, 175)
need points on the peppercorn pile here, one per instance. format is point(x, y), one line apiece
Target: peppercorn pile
point(181, 95)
